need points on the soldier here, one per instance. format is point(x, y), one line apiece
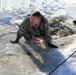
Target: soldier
point(35, 25)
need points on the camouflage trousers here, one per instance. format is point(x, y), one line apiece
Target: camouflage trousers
point(26, 35)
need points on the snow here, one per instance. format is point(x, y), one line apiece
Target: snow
point(14, 4)
point(69, 1)
point(71, 62)
point(38, 4)
point(9, 21)
point(61, 14)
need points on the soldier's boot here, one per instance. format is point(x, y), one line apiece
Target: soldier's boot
point(17, 39)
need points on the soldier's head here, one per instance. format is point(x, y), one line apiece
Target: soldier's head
point(35, 18)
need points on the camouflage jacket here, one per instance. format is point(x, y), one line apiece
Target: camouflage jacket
point(41, 29)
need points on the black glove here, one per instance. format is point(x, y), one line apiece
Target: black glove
point(14, 41)
point(51, 45)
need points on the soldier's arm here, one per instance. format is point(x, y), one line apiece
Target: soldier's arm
point(47, 35)
point(23, 25)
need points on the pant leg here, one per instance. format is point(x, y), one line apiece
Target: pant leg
point(27, 35)
point(19, 35)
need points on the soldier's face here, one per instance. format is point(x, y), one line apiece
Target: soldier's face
point(34, 20)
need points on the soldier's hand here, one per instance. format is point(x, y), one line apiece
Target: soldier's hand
point(37, 41)
point(52, 45)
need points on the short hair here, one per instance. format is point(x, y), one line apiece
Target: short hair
point(36, 13)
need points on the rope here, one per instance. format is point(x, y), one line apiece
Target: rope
point(61, 63)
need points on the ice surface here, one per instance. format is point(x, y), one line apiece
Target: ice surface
point(12, 56)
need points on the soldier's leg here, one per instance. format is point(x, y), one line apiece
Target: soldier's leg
point(19, 35)
point(27, 36)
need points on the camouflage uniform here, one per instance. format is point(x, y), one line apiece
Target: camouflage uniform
point(28, 31)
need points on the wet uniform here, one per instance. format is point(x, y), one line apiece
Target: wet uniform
point(40, 30)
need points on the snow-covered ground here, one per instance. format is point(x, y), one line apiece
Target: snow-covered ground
point(11, 19)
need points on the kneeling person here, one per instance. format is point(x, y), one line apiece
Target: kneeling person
point(35, 25)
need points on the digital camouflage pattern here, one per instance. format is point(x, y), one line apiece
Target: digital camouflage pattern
point(40, 30)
